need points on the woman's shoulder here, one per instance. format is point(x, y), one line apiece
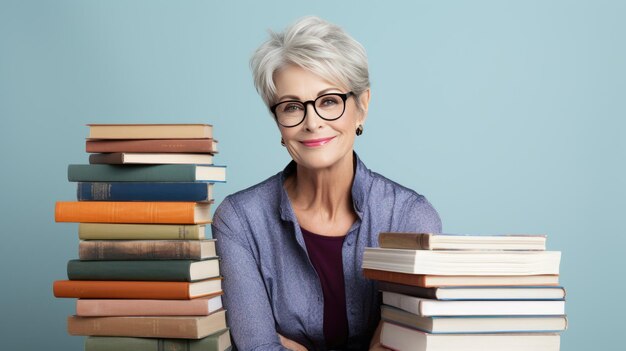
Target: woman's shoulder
point(415, 211)
point(390, 187)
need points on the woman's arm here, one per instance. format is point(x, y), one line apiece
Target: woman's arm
point(247, 305)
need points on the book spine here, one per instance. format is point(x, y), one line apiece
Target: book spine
point(120, 343)
point(153, 131)
point(147, 327)
point(153, 145)
point(88, 289)
point(396, 277)
point(104, 231)
point(413, 241)
point(123, 307)
point(116, 343)
point(428, 293)
point(139, 250)
point(163, 270)
point(131, 173)
point(126, 212)
point(143, 191)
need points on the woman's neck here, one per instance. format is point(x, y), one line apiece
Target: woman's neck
point(323, 195)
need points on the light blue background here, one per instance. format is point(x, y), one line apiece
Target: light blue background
point(508, 116)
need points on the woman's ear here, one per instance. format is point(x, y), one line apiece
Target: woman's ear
point(364, 99)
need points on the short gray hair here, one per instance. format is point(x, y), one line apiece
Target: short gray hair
point(316, 45)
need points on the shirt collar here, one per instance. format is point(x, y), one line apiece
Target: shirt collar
point(359, 193)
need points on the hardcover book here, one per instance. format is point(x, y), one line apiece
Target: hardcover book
point(146, 173)
point(429, 307)
point(153, 145)
point(146, 249)
point(184, 327)
point(145, 191)
point(461, 280)
point(115, 231)
point(124, 307)
point(122, 158)
point(398, 337)
point(103, 289)
point(475, 324)
point(150, 131)
point(219, 341)
point(133, 212)
point(477, 292)
point(426, 241)
point(462, 262)
point(140, 270)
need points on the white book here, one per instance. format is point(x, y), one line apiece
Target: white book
point(401, 338)
point(475, 324)
point(149, 158)
point(462, 262)
point(429, 307)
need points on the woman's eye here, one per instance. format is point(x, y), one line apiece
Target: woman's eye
point(292, 108)
point(329, 102)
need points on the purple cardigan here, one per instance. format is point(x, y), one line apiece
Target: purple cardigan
point(269, 283)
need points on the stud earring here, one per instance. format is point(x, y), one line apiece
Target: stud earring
point(359, 130)
point(282, 141)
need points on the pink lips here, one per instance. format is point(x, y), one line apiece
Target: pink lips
point(316, 142)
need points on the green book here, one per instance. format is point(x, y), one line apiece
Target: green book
point(146, 173)
point(219, 341)
point(148, 270)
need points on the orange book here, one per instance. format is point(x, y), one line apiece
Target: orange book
point(132, 212)
point(107, 289)
point(432, 281)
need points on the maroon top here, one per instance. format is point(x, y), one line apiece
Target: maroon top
point(325, 255)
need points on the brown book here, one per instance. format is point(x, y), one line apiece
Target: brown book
point(188, 327)
point(428, 281)
point(153, 145)
point(146, 249)
point(427, 241)
point(133, 158)
point(150, 131)
point(107, 289)
point(202, 306)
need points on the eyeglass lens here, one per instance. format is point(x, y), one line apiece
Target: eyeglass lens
point(291, 113)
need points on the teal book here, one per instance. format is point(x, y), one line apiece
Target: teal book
point(148, 270)
point(219, 341)
point(146, 173)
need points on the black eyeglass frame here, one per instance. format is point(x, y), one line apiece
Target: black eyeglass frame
point(343, 96)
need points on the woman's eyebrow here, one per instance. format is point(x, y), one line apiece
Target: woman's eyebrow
point(294, 97)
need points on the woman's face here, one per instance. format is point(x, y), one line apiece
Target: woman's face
point(317, 143)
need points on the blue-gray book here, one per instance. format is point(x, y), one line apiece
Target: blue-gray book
point(145, 191)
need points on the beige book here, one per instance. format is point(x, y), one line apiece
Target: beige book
point(188, 327)
point(146, 249)
point(150, 131)
point(115, 231)
point(202, 306)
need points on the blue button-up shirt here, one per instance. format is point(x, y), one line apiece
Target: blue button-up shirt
point(270, 285)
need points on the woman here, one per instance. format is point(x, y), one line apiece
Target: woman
point(291, 247)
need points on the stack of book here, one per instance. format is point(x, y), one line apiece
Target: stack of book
point(147, 277)
point(463, 292)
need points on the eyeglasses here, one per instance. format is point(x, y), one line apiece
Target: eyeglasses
point(328, 106)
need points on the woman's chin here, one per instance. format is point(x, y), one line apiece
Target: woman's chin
point(320, 161)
